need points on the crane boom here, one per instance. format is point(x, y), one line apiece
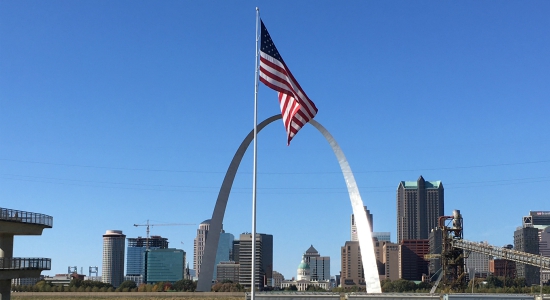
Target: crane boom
point(167, 224)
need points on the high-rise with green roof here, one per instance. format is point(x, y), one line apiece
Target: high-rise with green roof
point(419, 205)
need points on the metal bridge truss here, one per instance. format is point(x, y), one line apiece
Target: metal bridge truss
point(513, 255)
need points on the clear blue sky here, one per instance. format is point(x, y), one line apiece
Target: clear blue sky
point(116, 112)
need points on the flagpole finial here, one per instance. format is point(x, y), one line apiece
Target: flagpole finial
point(257, 8)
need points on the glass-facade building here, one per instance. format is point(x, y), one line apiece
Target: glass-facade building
point(225, 249)
point(135, 253)
point(167, 265)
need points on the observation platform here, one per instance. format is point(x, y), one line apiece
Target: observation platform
point(17, 222)
point(18, 267)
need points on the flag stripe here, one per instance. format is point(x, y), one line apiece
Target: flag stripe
point(296, 107)
point(279, 75)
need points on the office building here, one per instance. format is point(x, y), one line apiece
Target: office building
point(391, 261)
point(113, 257)
point(526, 239)
point(319, 265)
point(164, 265)
point(263, 259)
point(382, 236)
point(435, 241)
point(353, 226)
point(412, 265)
point(351, 273)
point(135, 253)
point(540, 217)
point(227, 270)
point(419, 205)
point(544, 249)
point(198, 245)
point(477, 264)
point(224, 251)
point(278, 279)
point(387, 259)
point(502, 267)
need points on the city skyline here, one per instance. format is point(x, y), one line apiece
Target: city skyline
point(115, 113)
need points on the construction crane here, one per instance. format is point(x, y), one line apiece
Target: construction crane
point(149, 225)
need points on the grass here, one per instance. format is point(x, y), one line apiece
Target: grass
point(89, 297)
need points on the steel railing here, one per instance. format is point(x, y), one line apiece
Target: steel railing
point(20, 263)
point(13, 215)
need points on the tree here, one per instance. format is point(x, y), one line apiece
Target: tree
point(227, 287)
point(402, 285)
point(493, 282)
point(128, 284)
point(314, 288)
point(184, 285)
point(292, 287)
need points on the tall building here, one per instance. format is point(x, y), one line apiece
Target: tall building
point(526, 239)
point(544, 249)
point(198, 245)
point(419, 205)
point(319, 265)
point(113, 257)
point(263, 259)
point(353, 226)
point(224, 251)
point(391, 260)
point(165, 265)
point(477, 264)
point(435, 241)
point(351, 273)
point(135, 253)
point(540, 217)
point(412, 265)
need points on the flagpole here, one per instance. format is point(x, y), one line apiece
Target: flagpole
point(253, 269)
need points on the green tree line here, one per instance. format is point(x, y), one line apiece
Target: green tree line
point(77, 285)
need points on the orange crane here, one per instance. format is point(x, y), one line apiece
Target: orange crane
point(148, 225)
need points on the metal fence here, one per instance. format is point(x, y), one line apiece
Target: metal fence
point(25, 217)
point(20, 263)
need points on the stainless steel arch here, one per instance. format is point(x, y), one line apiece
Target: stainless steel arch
point(363, 228)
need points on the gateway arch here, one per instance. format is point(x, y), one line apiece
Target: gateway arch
point(363, 228)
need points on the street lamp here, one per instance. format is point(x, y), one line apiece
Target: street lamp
point(473, 279)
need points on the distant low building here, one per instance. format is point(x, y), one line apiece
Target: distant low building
point(26, 281)
point(63, 279)
point(277, 279)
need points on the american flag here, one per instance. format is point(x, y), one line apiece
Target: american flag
point(297, 109)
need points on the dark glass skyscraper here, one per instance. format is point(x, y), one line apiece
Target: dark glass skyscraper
point(135, 254)
point(419, 205)
point(526, 239)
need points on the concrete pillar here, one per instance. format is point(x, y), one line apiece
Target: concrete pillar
point(5, 289)
point(6, 251)
point(6, 245)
